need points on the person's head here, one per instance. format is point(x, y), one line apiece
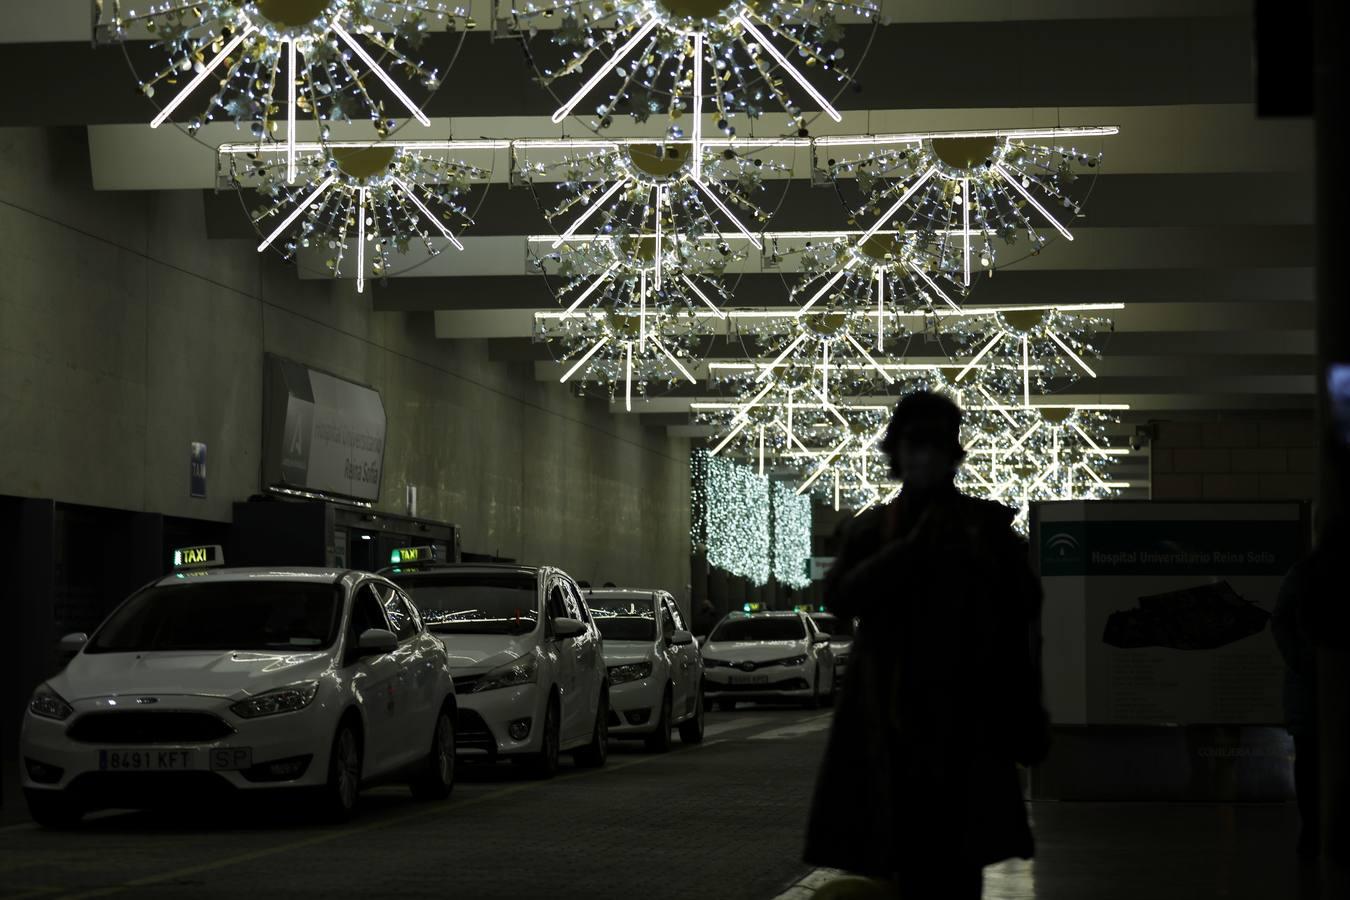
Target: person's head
point(923, 440)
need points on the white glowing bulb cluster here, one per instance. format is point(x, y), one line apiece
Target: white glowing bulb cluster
point(680, 58)
point(732, 524)
point(791, 536)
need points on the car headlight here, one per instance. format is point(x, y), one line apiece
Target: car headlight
point(714, 663)
point(522, 670)
point(629, 672)
point(49, 704)
point(794, 661)
point(282, 700)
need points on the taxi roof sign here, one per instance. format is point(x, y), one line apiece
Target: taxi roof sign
point(200, 557)
point(405, 555)
point(754, 607)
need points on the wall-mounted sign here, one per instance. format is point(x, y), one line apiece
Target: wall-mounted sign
point(322, 434)
point(197, 470)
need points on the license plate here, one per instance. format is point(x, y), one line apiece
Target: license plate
point(147, 760)
point(750, 679)
point(231, 758)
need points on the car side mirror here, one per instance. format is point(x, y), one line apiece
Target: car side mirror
point(821, 639)
point(376, 641)
point(681, 638)
point(565, 629)
point(74, 642)
point(701, 639)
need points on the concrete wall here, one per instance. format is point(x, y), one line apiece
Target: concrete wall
point(1240, 459)
point(125, 335)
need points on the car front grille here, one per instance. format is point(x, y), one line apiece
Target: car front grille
point(472, 733)
point(143, 727)
point(790, 684)
point(750, 665)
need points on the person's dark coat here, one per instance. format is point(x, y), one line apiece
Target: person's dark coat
point(943, 696)
point(1300, 656)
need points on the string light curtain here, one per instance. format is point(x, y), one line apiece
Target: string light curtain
point(733, 527)
point(791, 536)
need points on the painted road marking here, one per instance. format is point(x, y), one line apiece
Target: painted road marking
point(796, 729)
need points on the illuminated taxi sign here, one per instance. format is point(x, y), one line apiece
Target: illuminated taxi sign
point(754, 607)
point(200, 557)
point(404, 555)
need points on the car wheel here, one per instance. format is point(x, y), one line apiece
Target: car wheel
point(659, 740)
point(691, 729)
point(437, 778)
point(344, 775)
point(596, 753)
point(544, 764)
point(53, 809)
point(726, 705)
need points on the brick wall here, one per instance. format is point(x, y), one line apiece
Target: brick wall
point(1235, 460)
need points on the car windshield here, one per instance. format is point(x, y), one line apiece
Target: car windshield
point(766, 628)
point(256, 614)
point(474, 603)
point(624, 620)
point(834, 626)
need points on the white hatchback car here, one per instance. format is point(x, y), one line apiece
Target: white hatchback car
point(768, 656)
point(217, 681)
point(527, 659)
point(655, 670)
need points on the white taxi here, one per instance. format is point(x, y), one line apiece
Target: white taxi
point(655, 671)
point(527, 658)
point(841, 632)
point(776, 656)
point(215, 681)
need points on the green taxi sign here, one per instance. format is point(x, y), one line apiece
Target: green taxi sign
point(200, 557)
point(404, 555)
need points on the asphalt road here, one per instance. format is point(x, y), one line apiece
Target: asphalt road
point(723, 819)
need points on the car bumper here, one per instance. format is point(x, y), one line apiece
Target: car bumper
point(778, 683)
point(486, 720)
point(289, 750)
point(635, 707)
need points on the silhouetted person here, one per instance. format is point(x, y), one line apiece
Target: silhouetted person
point(942, 699)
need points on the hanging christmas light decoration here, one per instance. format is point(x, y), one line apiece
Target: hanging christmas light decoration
point(1026, 350)
point(964, 195)
point(363, 204)
point(273, 62)
point(679, 194)
point(791, 536)
point(732, 524)
point(675, 58)
point(825, 337)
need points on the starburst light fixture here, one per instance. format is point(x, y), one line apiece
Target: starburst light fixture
point(965, 194)
point(675, 58)
point(361, 203)
point(271, 62)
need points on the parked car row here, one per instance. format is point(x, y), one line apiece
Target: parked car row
point(217, 680)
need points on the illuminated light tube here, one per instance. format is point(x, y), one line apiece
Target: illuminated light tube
point(696, 126)
point(201, 76)
point(1008, 177)
point(768, 370)
point(656, 254)
point(590, 211)
point(585, 359)
point(820, 470)
point(1026, 370)
point(590, 289)
point(789, 67)
point(726, 211)
point(1076, 358)
point(933, 286)
point(295, 214)
point(979, 356)
point(454, 241)
point(754, 401)
point(867, 356)
point(895, 207)
point(381, 74)
point(824, 289)
point(674, 360)
point(628, 377)
point(1013, 134)
point(729, 438)
point(965, 224)
point(361, 241)
point(290, 115)
point(881, 310)
point(702, 296)
point(566, 109)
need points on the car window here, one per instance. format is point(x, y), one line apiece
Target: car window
point(675, 613)
point(667, 621)
point(557, 606)
point(400, 620)
point(367, 613)
point(576, 605)
point(624, 618)
point(766, 628)
point(473, 602)
point(413, 611)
